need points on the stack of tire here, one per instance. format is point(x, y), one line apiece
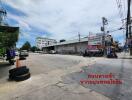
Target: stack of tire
point(19, 74)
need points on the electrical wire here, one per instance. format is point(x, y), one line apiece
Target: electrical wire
point(121, 7)
point(114, 30)
point(124, 3)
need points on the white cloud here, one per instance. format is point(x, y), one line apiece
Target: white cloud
point(64, 18)
point(21, 21)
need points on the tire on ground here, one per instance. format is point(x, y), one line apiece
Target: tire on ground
point(22, 77)
point(18, 73)
point(14, 70)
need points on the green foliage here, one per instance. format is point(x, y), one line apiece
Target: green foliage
point(8, 36)
point(26, 46)
point(34, 48)
point(2, 51)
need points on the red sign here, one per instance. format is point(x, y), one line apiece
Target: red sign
point(92, 47)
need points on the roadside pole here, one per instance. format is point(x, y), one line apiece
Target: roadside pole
point(128, 27)
point(79, 37)
point(130, 31)
point(104, 22)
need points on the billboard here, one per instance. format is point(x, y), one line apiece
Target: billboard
point(95, 39)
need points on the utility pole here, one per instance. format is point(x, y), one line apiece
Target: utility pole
point(79, 37)
point(104, 22)
point(128, 28)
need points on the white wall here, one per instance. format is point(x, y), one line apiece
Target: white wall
point(43, 42)
point(72, 48)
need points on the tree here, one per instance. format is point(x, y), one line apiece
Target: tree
point(26, 46)
point(34, 48)
point(8, 36)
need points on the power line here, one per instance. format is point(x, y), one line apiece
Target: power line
point(114, 30)
point(124, 3)
point(121, 8)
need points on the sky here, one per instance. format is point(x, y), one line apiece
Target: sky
point(62, 19)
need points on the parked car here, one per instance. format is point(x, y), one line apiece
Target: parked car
point(52, 52)
point(24, 53)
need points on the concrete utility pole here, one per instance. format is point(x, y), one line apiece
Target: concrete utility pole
point(104, 22)
point(79, 36)
point(79, 41)
point(128, 27)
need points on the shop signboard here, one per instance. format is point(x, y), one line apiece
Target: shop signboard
point(95, 39)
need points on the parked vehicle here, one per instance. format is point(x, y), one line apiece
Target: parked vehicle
point(10, 54)
point(95, 45)
point(23, 54)
point(52, 52)
point(93, 52)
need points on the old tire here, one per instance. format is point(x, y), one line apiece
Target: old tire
point(14, 70)
point(18, 73)
point(22, 77)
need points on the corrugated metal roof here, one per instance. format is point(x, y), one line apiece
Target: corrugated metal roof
point(70, 42)
point(44, 38)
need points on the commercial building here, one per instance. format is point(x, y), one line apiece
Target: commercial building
point(44, 42)
point(69, 47)
point(100, 40)
point(77, 46)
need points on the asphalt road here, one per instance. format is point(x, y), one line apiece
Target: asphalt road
point(58, 77)
point(120, 68)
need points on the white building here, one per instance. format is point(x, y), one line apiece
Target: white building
point(44, 42)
